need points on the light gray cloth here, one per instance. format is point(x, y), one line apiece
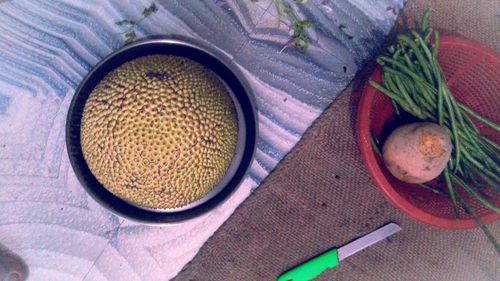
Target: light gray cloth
point(47, 46)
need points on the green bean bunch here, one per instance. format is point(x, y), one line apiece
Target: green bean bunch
point(415, 82)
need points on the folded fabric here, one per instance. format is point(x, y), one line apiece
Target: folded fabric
point(47, 47)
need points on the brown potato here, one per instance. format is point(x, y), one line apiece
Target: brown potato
point(417, 152)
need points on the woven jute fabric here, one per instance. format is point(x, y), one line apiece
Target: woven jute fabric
point(321, 196)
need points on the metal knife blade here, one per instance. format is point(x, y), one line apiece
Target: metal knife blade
point(368, 240)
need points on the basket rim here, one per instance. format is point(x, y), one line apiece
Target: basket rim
point(363, 124)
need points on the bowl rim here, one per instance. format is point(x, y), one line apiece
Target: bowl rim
point(363, 124)
point(127, 210)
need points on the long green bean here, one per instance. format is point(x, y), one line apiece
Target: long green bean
point(483, 227)
point(435, 190)
point(475, 195)
point(480, 118)
point(414, 80)
point(420, 58)
point(451, 191)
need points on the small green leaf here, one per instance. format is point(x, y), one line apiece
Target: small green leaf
point(125, 22)
point(131, 36)
point(300, 39)
point(301, 43)
point(287, 9)
point(306, 23)
point(149, 10)
point(300, 26)
point(342, 28)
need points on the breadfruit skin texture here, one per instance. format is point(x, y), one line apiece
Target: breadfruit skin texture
point(159, 131)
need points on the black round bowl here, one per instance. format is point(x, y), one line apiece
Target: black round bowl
point(242, 97)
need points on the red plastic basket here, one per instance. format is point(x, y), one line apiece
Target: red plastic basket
point(473, 75)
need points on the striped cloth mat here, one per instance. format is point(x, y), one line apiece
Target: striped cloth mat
point(47, 47)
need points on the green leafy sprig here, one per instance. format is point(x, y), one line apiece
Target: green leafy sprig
point(129, 33)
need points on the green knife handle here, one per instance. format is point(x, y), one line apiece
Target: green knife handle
point(312, 268)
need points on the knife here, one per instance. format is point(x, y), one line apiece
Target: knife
point(315, 266)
